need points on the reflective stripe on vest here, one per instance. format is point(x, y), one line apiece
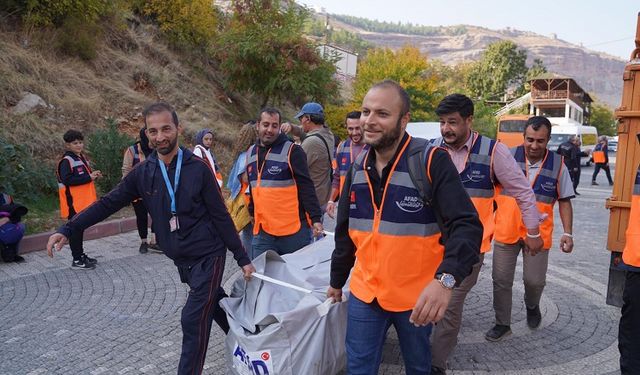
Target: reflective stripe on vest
point(477, 181)
point(397, 245)
point(6, 198)
point(79, 196)
point(274, 191)
point(211, 162)
point(509, 225)
point(631, 253)
point(344, 158)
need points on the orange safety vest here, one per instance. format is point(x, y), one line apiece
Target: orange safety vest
point(344, 158)
point(631, 253)
point(478, 182)
point(274, 191)
point(509, 225)
point(211, 162)
point(398, 246)
point(78, 196)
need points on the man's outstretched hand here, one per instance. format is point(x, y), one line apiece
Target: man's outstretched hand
point(56, 241)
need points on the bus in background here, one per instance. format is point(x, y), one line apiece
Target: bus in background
point(511, 128)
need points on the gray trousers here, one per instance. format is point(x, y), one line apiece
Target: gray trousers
point(445, 333)
point(504, 268)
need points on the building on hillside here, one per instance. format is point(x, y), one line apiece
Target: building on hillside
point(560, 99)
point(346, 61)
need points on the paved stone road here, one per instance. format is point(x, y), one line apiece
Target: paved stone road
point(123, 317)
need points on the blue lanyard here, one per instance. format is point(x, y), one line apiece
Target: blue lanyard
point(176, 180)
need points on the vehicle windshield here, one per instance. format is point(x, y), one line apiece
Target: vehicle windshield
point(512, 126)
point(556, 140)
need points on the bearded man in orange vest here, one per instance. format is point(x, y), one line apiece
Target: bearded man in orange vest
point(76, 191)
point(629, 330)
point(483, 165)
point(346, 153)
point(408, 249)
point(283, 199)
point(551, 183)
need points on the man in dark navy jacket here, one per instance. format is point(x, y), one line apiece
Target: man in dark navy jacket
point(191, 222)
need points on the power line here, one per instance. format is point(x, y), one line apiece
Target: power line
point(609, 42)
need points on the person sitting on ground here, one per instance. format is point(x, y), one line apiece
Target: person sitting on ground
point(11, 229)
point(204, 140)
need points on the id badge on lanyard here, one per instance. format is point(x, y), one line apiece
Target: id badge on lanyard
point(174, 223)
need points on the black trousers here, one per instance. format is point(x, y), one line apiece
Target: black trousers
point(76, 239)
point(605, 168)
point(142, 220)
point(575, 177)
point(629, 330)
point(200, 310)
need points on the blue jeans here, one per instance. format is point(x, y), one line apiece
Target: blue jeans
point(367, 325)
point(263, 241)
point(246, 237)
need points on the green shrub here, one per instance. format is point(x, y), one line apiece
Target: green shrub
point(22, 176)
point(107, 148)
point(78, 38)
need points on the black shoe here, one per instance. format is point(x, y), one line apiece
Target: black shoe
point(594, 183)
point(155, 248)
point(497, 333)
point(82, 264)
point(18, 259)
point(89, 260)
point(143, 248)
point(534, 317)
point(438, 371)
point(577, 193)
point(610, 183)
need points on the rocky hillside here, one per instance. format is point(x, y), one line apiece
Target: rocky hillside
point(598, 73)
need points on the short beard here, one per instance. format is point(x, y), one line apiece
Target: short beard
point(172, 146)
point(388, 140)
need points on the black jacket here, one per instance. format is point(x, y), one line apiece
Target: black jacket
point(307, 199)
point(460, 219)
point(205, 225)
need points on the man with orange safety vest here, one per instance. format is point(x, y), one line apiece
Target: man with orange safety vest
point(408, 249)
point(283, 199)
point(76, 192)
point(347, 152)
point(550, 181)
point(601, 160)
point(629, 330)
point(482, 164)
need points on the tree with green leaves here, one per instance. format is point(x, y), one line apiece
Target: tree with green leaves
point(502, 67)
point(263, 51)
point(603, 119)
point(407, 66)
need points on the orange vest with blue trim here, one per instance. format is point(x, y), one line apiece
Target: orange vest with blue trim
point(344, 159)
point(478, 182)
point(274, 191)
point(509, 225)
point(631, 253)
point(397, 245)
point(78, 196)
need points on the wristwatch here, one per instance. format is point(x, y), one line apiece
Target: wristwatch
point(446, 280)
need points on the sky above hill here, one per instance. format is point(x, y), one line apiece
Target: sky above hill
point(608, 26)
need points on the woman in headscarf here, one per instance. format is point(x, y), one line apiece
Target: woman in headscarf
point(135, 154)
point(204, 140)
point(238, 184)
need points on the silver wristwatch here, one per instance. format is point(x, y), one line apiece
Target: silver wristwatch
point(446, 280)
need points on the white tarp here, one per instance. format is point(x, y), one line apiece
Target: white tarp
point(282, 331)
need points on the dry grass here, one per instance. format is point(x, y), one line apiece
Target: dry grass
point(83, 94)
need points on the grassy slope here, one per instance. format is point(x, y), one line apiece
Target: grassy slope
point(83, 94)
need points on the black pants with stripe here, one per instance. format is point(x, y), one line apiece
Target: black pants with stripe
point(200, 310)
point(629, 330)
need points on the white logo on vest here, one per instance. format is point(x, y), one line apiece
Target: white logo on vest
point(410, 204)
point(274, 170)
point(548, 186)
